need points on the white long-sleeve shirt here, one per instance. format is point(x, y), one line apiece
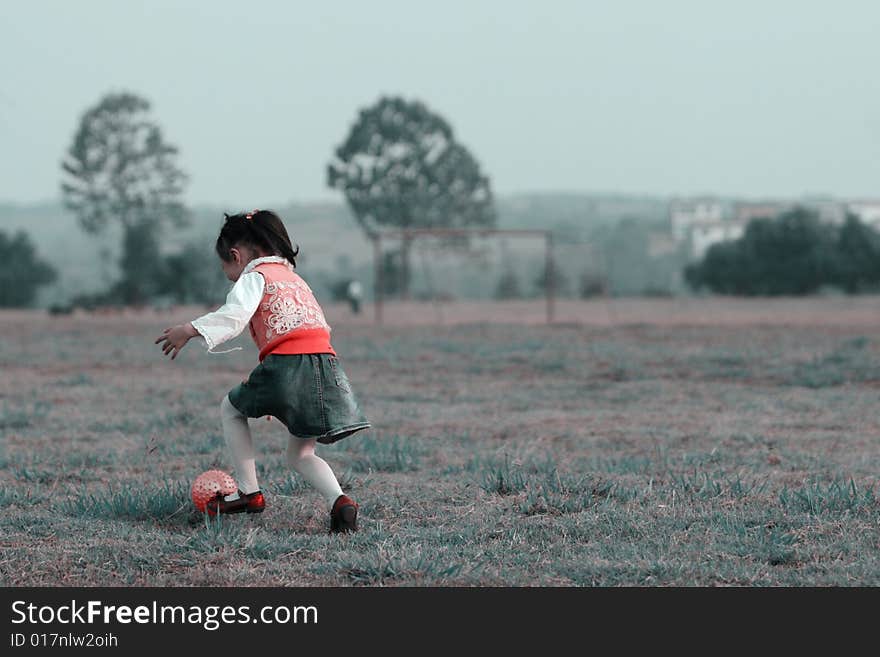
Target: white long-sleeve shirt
point(230, 319)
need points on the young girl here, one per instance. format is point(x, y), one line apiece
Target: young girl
point(299, 379)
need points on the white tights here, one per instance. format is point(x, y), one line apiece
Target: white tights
point(300, 456)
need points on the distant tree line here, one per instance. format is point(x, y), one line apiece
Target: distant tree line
point(399, 167)
point(792, 254)
point(613, 259)
point(22, 272)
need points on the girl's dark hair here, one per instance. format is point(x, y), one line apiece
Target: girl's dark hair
point(260, 229)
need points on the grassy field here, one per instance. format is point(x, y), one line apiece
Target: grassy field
point(634, 443)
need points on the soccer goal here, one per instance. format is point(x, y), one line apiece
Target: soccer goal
point(459, 254)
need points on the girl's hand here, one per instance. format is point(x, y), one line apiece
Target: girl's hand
point(173, 339)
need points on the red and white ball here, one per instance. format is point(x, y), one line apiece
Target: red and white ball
point(212, 484)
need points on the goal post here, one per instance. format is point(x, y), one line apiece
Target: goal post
point(411, 234)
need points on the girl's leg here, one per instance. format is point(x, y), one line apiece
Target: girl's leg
point(302, 458)
point(238, 438)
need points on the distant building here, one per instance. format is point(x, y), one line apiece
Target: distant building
point(746, 211)
point(867, 211)
point(828, 210)
point(701, 222)
point(705, 234)
point(684, 213)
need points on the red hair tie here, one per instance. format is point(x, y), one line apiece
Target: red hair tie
point(250, 215)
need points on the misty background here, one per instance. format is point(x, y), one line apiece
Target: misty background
point(589, 119)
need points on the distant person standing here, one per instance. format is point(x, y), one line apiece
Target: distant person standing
point(354, 293)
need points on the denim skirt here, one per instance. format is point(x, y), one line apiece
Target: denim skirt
point(309, 393)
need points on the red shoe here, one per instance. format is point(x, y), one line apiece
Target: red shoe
point(252, 503)
point(343, 517)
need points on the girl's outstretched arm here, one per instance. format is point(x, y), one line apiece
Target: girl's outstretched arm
point(227, 321)
point(175, 337)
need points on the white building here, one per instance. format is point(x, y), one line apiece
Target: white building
point(702, 222)
point(704, 234)
point(684, 213)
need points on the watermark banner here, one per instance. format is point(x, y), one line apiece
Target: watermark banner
point(132, 619)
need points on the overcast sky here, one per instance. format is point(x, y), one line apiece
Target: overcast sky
point(749, 98)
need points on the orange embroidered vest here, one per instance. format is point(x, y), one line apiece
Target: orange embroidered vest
point(288, 319)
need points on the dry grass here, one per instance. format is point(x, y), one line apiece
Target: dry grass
point(654, 442)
